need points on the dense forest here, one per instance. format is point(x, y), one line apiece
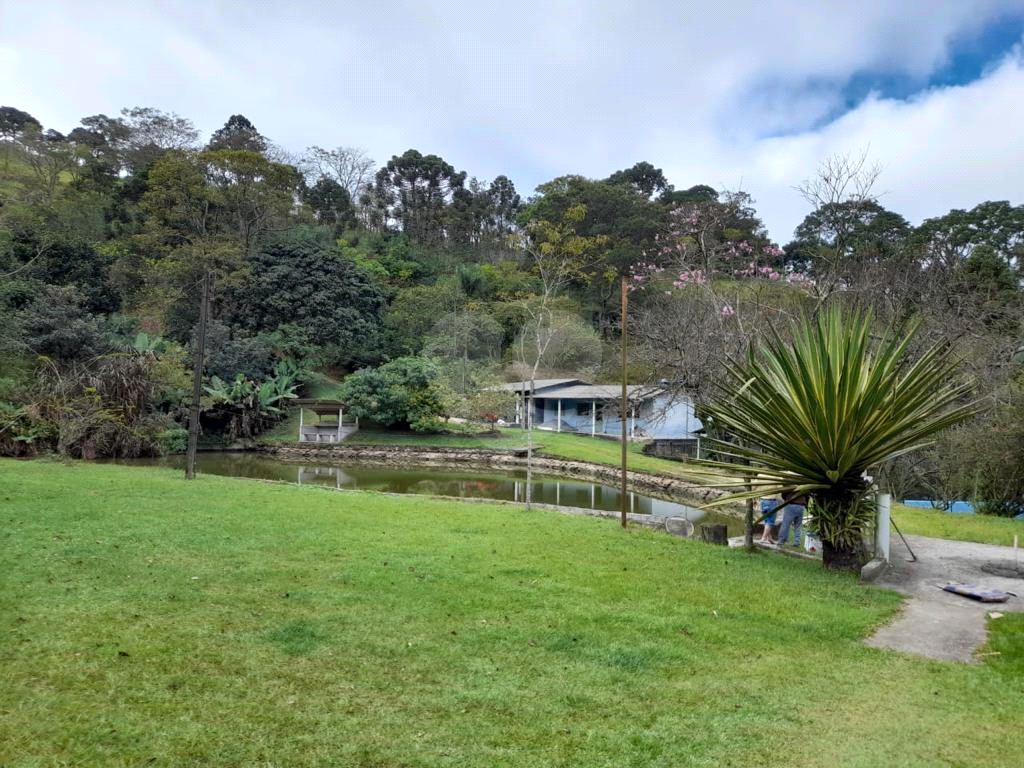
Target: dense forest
point(419, 285)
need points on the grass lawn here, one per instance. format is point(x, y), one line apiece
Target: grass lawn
point(983, 529)
point(152, 621)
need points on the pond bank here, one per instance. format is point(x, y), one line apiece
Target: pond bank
point(669, 488)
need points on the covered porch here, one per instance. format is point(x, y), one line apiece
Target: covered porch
point(329, 426)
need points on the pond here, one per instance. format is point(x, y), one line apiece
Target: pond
point(507, 485)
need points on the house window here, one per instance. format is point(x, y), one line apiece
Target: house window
point(582, 409)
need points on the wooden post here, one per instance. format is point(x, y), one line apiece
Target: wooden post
point(341, 414)
point(301, 423)
point(558, 427)
point(593, 418)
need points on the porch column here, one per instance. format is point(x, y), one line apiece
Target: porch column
point(300, 423)
point(593, 417)
point(558, 426)
point(341, 414)
point(632, 428)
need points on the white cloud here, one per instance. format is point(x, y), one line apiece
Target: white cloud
point(540, 88)
point(947, 148)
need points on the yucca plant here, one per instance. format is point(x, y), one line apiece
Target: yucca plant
point(815, 414)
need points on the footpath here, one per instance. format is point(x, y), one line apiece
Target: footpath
point(938, 624)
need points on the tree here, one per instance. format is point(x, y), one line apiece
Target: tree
point(644, 178)
point(14, 122)
point(331, 203)
point(13, 125)
point(301, 279)
point(716, 237)
point(253, 194)
point(404, 394)
point(627, 223)
point(413, 192)
point(841, 194)
point(149, 133)
point(413, 312)
point(348, 166)
point(237, 134)
point(817, 414)
point(56, 325)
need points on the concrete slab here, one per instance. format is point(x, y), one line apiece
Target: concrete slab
point(935, 623)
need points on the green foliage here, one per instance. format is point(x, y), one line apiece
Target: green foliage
point(173, 440)
point(303, 281)
point(414, 312)
point(814, 415)
point(242, 408)
point(57, 325)
point(404, 394)
point(414, 190)
point(488, 406)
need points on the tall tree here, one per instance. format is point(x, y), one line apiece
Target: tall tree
point(150, 133)
point(644, 178)
point(331, 203)
point(413, 192)
point(350, 167)
point(301, 278)
point(238, 133)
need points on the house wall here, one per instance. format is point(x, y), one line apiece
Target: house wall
point(656, 419)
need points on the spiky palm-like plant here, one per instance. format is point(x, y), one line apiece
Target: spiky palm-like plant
point(814, 414)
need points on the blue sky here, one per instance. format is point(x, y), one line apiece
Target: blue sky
point(739, 95)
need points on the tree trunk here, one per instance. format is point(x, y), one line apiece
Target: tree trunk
point(835, 558)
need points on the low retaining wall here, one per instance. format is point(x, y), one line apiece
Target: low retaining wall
point(667, 488)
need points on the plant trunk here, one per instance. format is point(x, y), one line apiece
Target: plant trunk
point(837, 558)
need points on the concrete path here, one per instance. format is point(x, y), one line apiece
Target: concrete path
point(939, 624)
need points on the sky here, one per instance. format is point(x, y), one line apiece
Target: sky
point(739, 95)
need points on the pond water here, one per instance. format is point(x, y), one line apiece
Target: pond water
point(507, 485)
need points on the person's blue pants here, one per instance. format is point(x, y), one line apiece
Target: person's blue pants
point(792, 516)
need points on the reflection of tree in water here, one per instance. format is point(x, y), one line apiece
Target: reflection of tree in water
point(427, 487)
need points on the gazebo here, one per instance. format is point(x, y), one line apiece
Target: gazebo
point(324, 431)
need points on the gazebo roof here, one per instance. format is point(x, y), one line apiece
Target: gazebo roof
point(320, 407)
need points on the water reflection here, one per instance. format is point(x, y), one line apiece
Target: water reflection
point(507, 485)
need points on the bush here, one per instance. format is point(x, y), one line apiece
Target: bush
point(174, 440)
point(404, 394)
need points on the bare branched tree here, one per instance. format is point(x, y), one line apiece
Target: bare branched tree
point(351, 167)
point(840, 193)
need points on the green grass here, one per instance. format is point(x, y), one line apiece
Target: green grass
point(983, 529)
point(152, 621)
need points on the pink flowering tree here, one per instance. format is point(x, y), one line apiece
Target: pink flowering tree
point(714, 282)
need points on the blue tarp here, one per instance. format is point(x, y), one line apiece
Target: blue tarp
point(960, 507)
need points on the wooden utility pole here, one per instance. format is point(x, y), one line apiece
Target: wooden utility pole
point(625, 398)
point(197, 380)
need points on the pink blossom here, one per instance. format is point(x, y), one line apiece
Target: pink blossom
point(728, 311)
